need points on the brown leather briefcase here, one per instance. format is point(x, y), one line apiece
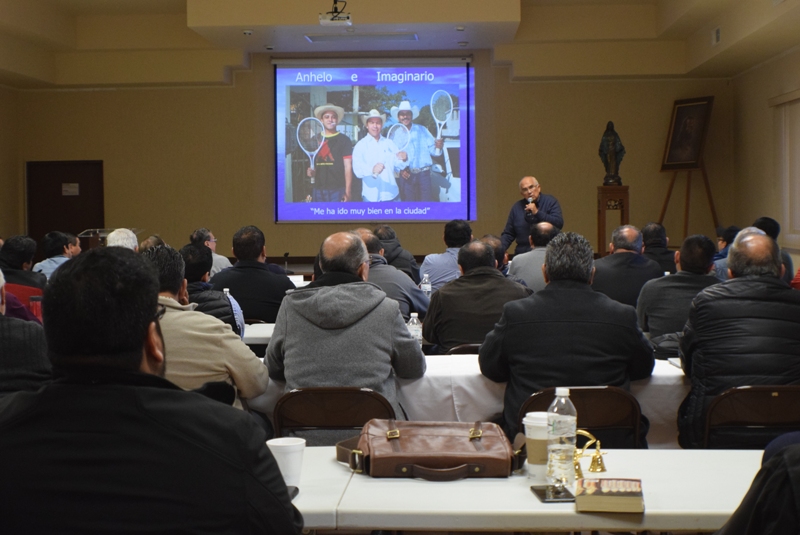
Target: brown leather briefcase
point(436, 451)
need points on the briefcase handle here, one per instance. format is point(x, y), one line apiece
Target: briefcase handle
point(441, 474)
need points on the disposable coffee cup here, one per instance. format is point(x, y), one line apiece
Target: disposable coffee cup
point(536, 445)
point(288, 451)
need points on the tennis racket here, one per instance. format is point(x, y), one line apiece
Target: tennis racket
point(400, 135)
point(310, 138)
point(441, 108)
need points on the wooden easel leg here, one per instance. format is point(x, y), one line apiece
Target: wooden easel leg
point(708, 194)
point(666, 201)
point(686, 205)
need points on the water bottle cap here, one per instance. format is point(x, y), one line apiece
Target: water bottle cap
point(562, 391)
point(414, 315)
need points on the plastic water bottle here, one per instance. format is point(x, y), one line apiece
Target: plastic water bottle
point(415, 328)
point(425, 285)
point(562, 421)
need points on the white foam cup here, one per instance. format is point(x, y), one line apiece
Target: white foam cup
point(536, 445)
point(288, 451)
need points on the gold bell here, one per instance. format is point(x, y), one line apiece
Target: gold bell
point(597, 464)
point(578, 471)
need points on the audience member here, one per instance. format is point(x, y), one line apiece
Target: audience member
point(501, 256)
point(664, 303)
point(565, 335)
point(151, 241)
point(23, 351)
point(743, 331)
point(394, 253)
point(342, 331)
point(16, 260)
point(74, 244)
point(773, 229)
point(442, 268)
point(202, 348)
point(203, 236)
point(465, 309)
point(56, 247)
point(655, 242)
point(622, 273)
point(112, 447)
point(258, 290)
point(725, 237)
point(123, 237)
point(395, 284)
point(528, 266)
point(198, 261)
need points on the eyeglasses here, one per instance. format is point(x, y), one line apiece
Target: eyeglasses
point(536, 186)
point(160, 312)
point(214, 240)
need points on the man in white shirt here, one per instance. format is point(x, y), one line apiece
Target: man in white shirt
point(375, 161)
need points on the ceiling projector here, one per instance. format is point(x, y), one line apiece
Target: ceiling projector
point(335, 19)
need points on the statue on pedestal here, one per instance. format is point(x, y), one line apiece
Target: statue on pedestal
point(611, 152)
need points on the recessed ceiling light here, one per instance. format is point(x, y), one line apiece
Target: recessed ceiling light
point(460, 28)
point(350, 30)
point(463, 43)
point(269, 47)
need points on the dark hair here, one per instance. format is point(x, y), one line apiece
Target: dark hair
point(385, 232)
point(170, 267)
point(197, 260)
point(475, 254)
point(248, 242)
point(697, 254)
point(569, 256)
point(97, 308)
point(771, 227)
point(372, 242)
point(754, 253)
point(17, 250)
point(72, 238)
point(200, 236)
point(151, 241)
point(53, 243)
point(620, 239)
point(728, 234)
point(497, 247)
point(542, 233)
point(654, 235)
point(347, 259)
point(457, 233)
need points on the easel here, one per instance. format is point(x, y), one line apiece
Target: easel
point(688, 197)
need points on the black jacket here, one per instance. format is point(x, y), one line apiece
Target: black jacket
point(133, 453)
point(564, 335)
point(743, 331)
point(212, 302)
point(622, 275)
point(401, 259)
point(22, 277)
point(255, 287)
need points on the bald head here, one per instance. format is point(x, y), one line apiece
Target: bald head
point(626, 238)
point(754, 253)
point(542, 233)
point(343, 252)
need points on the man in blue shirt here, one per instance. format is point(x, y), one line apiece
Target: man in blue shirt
point(534, 207)
point(442, 268)
point(415, 181)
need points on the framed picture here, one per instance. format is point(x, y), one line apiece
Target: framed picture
point(687, 133)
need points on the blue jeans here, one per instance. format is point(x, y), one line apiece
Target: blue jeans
point(417, 187)
point(327, 195)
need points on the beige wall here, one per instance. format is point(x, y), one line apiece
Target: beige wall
point(179, 158)
point(759, 192)
point(11, 192)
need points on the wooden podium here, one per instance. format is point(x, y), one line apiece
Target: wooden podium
point(610, 198)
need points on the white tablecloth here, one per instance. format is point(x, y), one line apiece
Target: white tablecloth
point(258, 333)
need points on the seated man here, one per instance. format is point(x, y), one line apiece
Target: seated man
point(622, 273)
point(16, 261)
point(111, 446)
point(395, 284)
point(742, 331)
point(58, 248)
point(123, 237)
point(23, 352)
point(258, 290)
point(394, 253)
point(342, 331)
point(198, 261)
point(528, 266)
point(725, 237)
point(443, 267)
point(655, 245)
point(202, 349)
point(565, 335)
point(203, 236)
point(501, 256)
point(773, 229)
point(664, 303)
point(465, 309)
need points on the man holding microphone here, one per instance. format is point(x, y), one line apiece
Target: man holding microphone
point(534, 207)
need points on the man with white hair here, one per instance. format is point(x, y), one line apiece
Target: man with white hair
point(123, 237)
point(332, 174)
point(375, 161)
point(415, 181)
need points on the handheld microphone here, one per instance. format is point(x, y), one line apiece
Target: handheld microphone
point(530, 200)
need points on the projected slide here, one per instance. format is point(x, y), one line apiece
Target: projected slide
point(374, 143)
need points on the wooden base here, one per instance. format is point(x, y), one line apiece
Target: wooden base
point(610, 198)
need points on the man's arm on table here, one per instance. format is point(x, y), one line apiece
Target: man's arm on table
point(493, 362)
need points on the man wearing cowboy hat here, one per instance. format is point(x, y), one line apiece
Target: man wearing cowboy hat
point(375, 161)
point(333, 165)
point(415, 181)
